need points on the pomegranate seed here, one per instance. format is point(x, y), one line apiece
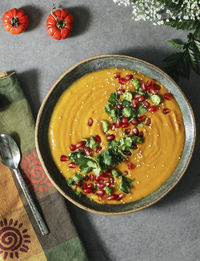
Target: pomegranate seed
point(168, 96)
point(134, 122)
point(113, 126)
point(119, 106)
point(97, 138)
point(112, 197)
point(87, 151)
point(134, 104)
point(98, 178)
point(141, 99)
point(143, 87)
point(157, 87)
point(153, 90)
point(120, 91)
point(108, 183)
point(90, 122)
point(64, 158)
point(127, 153)
point(72, 147)
point(147, 104)
point(84, 185)
point(122, 80)
point(153, 108)
point(72, 165)
point(166, 110)
point(101, 186)
point(141, 134)
point(127, 131)
point(90, 186)
point(92, 177)
point(120, 196)
point(137, 96)
point(110, 137)
point(134, 146)
point(78, 184)
point(130, 166)
point(108, 174)
point(148, 122)
point(100, 193)
point(125, 172)
point(117, 75)
point(124, 119)
point(86, 178)
point(149, 83)
point(87, 190)
point(118, 123)
point(80, 144)
point(125, 125)
point(112, 180)
point(98, 149)
point(129, 77)
point(135, 131)
point(141, 118)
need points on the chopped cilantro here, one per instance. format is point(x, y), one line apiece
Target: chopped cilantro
point(105, 125)
point(69, 181)
point(128, 96)
point(142, 109)
point(136, 83)
point(127, 112)
point(156, 99)
point(114, 98)
point(126, 104)
point(113, 115)
point(78, 193)
point(125, 184)
point(141, 124)
point(91, 142)
point(116, 173)
point(108, 190)
point(108, 108)
point(77, 177)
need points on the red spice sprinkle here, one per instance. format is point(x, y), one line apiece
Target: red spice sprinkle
point(127, 131)
point(72, 147)
point(63, 158)
point(117, 75)
point(98, 138)
point(148, 122)
point(90, 122)
point(153, 108)
point(168, 96)
point(80, 144)
point(141, 118)
point(130, 166)
point(98, 149)
point(166, 110)
point(72, 165)
point(110, 137)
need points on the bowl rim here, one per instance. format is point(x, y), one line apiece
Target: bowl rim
point(41, 111)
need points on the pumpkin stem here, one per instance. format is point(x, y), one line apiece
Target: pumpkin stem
point(14, 21)
point(52, 10)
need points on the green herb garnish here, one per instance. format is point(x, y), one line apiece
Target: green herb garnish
point(136, 83)
point(108, 190)
point(105, 125)
point(156, 99)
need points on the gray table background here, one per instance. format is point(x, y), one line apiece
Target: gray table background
point(168, 230)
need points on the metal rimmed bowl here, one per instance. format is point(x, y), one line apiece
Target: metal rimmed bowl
point(73, 74)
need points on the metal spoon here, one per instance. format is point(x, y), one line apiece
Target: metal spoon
point(10, 156)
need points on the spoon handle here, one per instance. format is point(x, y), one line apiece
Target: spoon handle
point(43, 228)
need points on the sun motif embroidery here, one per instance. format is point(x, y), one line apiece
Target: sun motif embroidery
point(13, 238)
point(33, 172)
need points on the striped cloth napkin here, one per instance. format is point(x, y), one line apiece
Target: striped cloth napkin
point(20, 238)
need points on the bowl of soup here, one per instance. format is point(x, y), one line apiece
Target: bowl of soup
point(115, 134)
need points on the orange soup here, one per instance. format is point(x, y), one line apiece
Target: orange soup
point(116, 135)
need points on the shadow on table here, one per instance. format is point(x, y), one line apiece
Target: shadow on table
point(35, 15)
point(189, 185)
point(92, 243)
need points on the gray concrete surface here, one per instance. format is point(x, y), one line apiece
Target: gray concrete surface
point(170, 229)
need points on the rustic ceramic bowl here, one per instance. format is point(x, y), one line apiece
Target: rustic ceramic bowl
point(74, 73)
